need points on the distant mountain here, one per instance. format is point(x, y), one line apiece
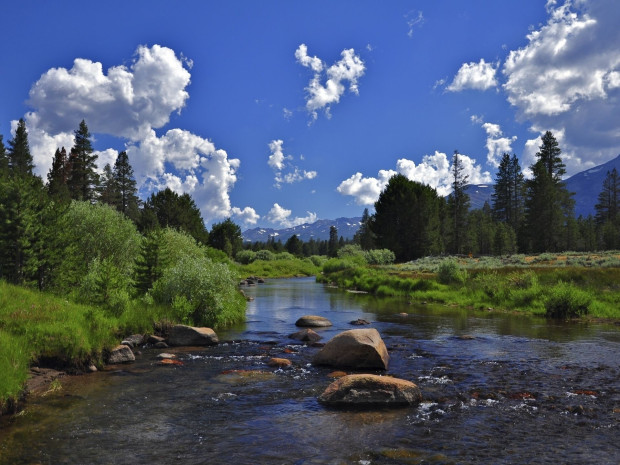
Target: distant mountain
point(319, 230)
point(586, 185)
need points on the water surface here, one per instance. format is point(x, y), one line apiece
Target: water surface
point(497, 389)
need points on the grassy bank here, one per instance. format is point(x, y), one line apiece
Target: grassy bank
point(288, 267)
point(39, 328)
point(549, 285)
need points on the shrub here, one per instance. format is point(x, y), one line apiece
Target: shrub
point(266, 255)
point(209, 288)
point(379, 257)
point(566, 301)
point(245, 257)
point(318, 260)
point(284, 256)
point(350, 250)
point(105, 285)
point(449, 272)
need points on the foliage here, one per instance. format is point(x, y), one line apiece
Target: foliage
point(168, 209)
point(406, 219)
point(379, 257)
point(566, 301)
point(449, 272)
point(457, 206)
point(245, 257)
point(83, 180)
point(19, 158)
point(106, 286)
point(278, 267)
point(226, 236)
point(90, 232)
point(508, 192)
point(210, 290)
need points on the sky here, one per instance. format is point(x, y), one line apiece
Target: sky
point(278, 113)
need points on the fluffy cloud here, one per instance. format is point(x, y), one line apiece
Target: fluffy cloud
point(247, 216)
point(125, 101)
point(496, 144)
point(567, 77)
point(321, 96)
point(478, 76)
point(130, 102)
point(278, 161)
point(434, 170)
point(281, 216)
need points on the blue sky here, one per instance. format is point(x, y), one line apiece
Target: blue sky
point(278, 113)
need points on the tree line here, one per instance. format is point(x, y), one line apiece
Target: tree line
point(524, 216)
point(32, 240)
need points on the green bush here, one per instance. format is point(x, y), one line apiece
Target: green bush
point(266, 255)
point(449, 272)
point(379, 257)
point(210, 288)
point(245, 257)
point(105, 285)
point(318, 260)
point(567, 301)
point(350, 250)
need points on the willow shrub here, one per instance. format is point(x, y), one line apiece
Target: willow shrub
point(566, 301)
point(202, 293)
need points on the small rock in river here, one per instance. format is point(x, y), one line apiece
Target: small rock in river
point(313, 321)
point(370, 390)
point(305, 335)
point(359, 322)
point(279, 362)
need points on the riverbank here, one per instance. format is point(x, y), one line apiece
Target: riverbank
point(540, 286)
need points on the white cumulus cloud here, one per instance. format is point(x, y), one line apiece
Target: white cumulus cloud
point(567, 78)
point(247, 216)
point(285, 171)
point(433, 170)
point(131, 102)
point(346, 70)
point(281, 216)
point(478, 76)
point(497, 145)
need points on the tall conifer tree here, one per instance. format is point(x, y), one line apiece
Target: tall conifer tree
point(19, 157)
point(458, 205)
point(58, 175)
point(125, 182)
point(549, 205)
point(83, 180)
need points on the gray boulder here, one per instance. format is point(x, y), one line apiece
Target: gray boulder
point(356, 348)
point(370, 391)
point(121, 354)
point(181, 335)
point(313, 321)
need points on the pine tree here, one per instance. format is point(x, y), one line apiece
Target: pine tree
point(4, 160)
point(150, 263)
point(508, 192)
point(458, 205)
point(226, 236)
point(58, 175)
point(406, 219)
point(364, 235)
point(19, 157)
point(608, 210)
point(83, 180)
point(549, 205)
point(608, 206)
point(332, 246)
point(108, 189)
point(128, 200)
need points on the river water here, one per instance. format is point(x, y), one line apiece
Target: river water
point(497, 389)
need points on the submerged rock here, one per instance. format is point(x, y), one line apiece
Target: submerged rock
point(371, 391)
point(359, 322)
point(121, 354)
point(313, 321)
point(279, 362)
point(305, 335)
point(181, 335)
point(356, 348)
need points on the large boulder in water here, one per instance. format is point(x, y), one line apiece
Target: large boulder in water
point(313, 321)
point(356, 348)
point(181, 335)
point(370, 391)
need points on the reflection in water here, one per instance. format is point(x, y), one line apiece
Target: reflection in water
point(497, 389)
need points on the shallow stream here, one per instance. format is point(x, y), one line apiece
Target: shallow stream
point(497, 389)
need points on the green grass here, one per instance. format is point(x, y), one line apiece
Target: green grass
point(42, 328)
point(522, 285)
point(278, 268)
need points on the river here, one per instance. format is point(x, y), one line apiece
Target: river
point(498, 389)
